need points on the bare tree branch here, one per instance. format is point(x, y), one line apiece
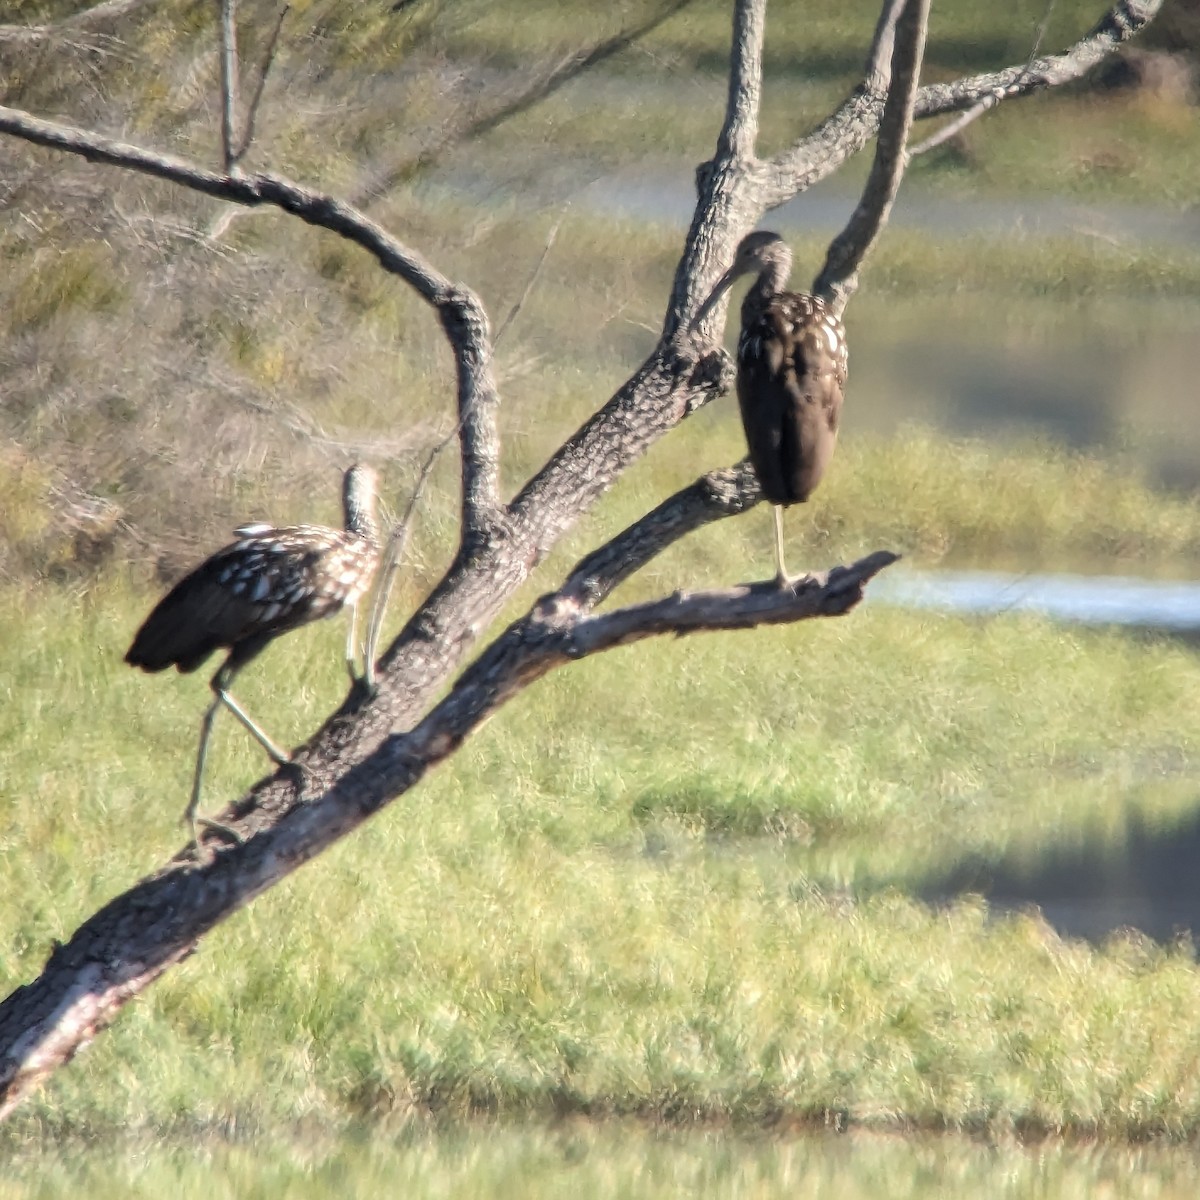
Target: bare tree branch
point(110, 10)
point(747, 606)
point(263, 71)
point(839, 276)
point(877, 75)
point(227, 24)
point(260, 188)
point(846, 131)
point(986, 104)
point(736, 141)
point(712, 497)
point(955, 127)
point(1123, 21)
point(727, 205)
point(462, 315)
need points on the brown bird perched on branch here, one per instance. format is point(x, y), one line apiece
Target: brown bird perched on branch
point(792, 364)
point(269, 581)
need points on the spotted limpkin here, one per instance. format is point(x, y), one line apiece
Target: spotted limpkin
point(792, 362)
point(269, 581)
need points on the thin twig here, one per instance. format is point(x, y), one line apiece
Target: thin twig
point(569, 68)
point(263, 71)
point(397, 543)
point(229, 83)
point(537, 270)
point(955, 127)
point(986, 103)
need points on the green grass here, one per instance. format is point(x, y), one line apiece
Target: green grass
point(626, 895)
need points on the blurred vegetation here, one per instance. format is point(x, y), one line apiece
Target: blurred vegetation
point(170, 384)
point(482, 1161)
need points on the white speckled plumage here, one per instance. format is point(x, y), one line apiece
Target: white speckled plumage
point(271, 580)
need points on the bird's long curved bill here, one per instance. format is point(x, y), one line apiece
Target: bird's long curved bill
point(719, 289)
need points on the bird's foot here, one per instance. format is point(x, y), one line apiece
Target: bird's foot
point(364, 686)
point(791, 582)
point(197, 846)
point(217, 827)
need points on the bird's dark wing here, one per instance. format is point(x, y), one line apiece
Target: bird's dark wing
point(249, 592)
point(791, 375)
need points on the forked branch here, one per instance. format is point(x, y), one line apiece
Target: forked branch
point(844, 133)
point(462, 315)
point(839, 277)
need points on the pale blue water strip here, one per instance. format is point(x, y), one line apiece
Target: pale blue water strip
point(1087, 599)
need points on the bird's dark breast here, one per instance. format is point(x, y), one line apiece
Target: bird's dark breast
point(249, 593)
point(792, 366)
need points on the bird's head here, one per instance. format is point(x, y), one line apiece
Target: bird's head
point(761, 253)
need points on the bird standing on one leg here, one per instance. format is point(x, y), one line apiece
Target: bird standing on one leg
point(269, 581)
point(792, 364)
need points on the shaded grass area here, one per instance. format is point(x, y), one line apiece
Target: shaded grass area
point(672, 882)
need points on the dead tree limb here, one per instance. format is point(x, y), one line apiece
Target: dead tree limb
point(844, 133)
point(838, 279)
point(376, 747)
point(230, 70)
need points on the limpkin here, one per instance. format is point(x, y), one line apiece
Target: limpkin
point(792, 363)
point(269, 581)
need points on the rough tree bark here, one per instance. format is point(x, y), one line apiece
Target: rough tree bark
point(376, 747)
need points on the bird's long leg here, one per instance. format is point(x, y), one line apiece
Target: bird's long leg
point(781, 576)
point(279, 757)
point(189, 815)
point(220, 683)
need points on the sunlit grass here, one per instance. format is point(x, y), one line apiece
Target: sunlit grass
point(624, 895)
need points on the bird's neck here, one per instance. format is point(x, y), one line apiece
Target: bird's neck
point(360, 518)
point(766, 287)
